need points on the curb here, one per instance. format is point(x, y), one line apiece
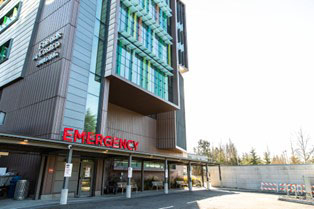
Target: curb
point(305, 202)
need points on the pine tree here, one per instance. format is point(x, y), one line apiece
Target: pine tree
point(245, 159)
point(267, 159)
point(255, 160)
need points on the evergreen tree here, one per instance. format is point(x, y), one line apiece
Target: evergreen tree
point(245, 159)
point(255, 160)
point(267, 159)
point(231, 153)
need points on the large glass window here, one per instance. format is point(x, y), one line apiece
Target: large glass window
point(2, 117)
point(123, 164)
point(9, 18)
point(5, 51)
point(138, 70)
point(144, 35)
point(124, 60)
point(123, 18)
point(95, 71)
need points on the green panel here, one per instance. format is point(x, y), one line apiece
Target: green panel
point(135, 26)
point(119, 58)
point(129, 20)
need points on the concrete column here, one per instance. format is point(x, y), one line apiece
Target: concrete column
point(207, 177)
point(65, 191)
point(166, 177)
point(128, 187)
point(202, 173)
point(169, 177)
point(190, 176)
point(142, 176)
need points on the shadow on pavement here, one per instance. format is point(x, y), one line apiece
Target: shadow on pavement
point(159, 201)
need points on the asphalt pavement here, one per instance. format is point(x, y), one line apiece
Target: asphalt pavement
point(216, 199)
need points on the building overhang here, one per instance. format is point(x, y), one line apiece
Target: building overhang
point(40, 143)
point(130, 96)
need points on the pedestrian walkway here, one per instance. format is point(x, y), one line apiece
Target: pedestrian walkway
point(33, 204)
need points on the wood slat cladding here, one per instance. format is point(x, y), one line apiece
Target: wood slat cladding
point(26, 165)
point(124, 123)
point(48, 177)
point(166, 129)
point(99, 174)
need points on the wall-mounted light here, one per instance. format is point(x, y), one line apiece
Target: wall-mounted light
point(25, 141)
point(4, 153)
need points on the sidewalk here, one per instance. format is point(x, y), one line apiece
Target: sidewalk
point(33, 204)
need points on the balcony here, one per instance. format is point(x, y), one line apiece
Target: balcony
point(132, 97)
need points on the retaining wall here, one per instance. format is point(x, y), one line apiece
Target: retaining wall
point(250, 177)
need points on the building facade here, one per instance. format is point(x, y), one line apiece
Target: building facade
point(102, 75)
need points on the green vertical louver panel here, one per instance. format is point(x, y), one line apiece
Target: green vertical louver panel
point(133, 68)
point(169, 54)
point(166, 89)
point(144, 74)
point(119, 51)
point(129, 21)
point(135, 25)
point(149, 77)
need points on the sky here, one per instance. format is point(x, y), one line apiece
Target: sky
point(251, 75)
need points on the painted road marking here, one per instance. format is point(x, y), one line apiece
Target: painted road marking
point(167, 207)
point(191, 202)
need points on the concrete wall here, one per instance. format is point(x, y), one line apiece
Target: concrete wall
point(250, 177)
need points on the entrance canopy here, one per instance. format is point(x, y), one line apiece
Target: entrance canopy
point(40, 143)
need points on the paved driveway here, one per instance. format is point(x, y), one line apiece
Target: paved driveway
point(193, 200)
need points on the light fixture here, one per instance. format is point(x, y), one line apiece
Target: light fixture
point(4, 153)
point(25, 141)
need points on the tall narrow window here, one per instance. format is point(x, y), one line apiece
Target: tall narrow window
point(5, 51)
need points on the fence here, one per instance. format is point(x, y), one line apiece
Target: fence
point(289, 189)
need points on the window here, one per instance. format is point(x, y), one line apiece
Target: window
point(11, 17)
point(2, 117)
point(123, 18)
point(5, 51)
point(3, 3)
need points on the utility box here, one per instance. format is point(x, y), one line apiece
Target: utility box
point(308, 182)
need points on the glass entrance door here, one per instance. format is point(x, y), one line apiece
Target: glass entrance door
point(86, 178)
